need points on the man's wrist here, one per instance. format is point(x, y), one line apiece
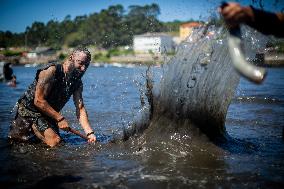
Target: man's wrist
point(61, 119)
point(90, 133)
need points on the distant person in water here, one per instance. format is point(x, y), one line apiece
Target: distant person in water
point(39, 108)
point(7, 71)
point(13, 81)
point(266, 22)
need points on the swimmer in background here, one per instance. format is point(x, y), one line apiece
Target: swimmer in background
point(13, 81)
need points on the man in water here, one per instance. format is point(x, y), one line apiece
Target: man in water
point(265, 22)
point(39, 108)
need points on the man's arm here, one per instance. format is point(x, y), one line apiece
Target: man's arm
point(43, 87)
point(268, 23)
point(82, 114)
point(265, 22)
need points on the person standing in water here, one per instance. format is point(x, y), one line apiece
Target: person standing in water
point(38, 112)
point(7, 72)
point(7, 75)
point(266, 22)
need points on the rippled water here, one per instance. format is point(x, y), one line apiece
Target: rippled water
point(170, 159)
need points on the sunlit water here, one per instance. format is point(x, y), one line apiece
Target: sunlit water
point(175, 160)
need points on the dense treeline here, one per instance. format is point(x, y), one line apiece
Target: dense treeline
point(107, 29)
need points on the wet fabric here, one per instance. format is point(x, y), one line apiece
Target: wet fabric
point(62, 90)
point(21, 126)
point(41, 121)
point(21, 129)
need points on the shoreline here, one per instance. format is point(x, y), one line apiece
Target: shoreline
point(97, 64)
point(265, 60)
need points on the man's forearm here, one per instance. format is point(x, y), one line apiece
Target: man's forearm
point(45, 108)
point(83, 119)
point(267, 22)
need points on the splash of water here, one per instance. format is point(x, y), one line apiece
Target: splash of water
point(198, 83)
point(197, 86)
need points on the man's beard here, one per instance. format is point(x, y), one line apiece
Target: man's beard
point(75, 73)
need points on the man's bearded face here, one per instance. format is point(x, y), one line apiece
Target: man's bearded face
point(79, 64)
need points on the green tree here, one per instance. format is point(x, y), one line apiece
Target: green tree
point(143, 19)
point(37, 34)
point(110, 28)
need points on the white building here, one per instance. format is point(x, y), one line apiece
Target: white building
point(40, 52)
point(157, 43)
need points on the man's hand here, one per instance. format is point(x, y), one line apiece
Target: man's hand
point(92, 138)
point(235, 14)
point(64, 125)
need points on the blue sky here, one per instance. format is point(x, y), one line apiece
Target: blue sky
point(16, 15)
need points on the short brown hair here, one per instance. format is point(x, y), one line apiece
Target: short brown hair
point(84, 50)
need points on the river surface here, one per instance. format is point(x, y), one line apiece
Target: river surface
point(255, 121)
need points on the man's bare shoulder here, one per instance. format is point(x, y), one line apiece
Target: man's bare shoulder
point(47, 74)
